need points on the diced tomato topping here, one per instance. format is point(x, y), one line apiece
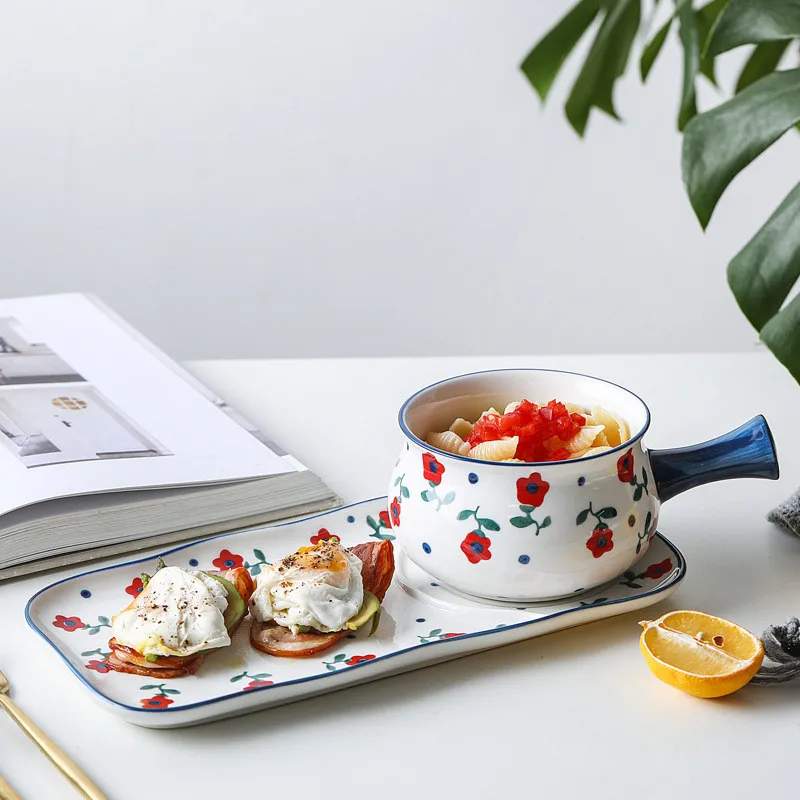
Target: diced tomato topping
point(540, 430)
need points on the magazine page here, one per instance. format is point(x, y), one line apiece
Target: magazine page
point(85, 407)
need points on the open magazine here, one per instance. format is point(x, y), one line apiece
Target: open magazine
point(106, 445)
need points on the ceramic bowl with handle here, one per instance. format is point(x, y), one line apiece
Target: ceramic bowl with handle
point(537, 531)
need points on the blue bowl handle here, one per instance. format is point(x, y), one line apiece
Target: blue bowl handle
point(747, 452)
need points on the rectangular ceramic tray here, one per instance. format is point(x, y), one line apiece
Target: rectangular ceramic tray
point(422, 623)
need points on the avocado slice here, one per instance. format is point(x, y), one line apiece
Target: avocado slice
point(370, 610)
point(236, 608)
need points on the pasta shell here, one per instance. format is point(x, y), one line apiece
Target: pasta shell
point(512, 406)
point(449, 442)
point(461, 428)
point(579, 454)
point(573, 408)
point(616, 429)
point(499, 450)
point(513, 460)
point(593, 451)
point(583, 439)
point(601, 440)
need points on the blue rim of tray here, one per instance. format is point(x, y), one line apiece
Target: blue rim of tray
point(680, 574)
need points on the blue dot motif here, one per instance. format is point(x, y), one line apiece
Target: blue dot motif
point(351, 519)
point(193, 562)
point(524, 559)
point(426, 548)
point(472, 477)
point(420, 619)
point(85, 593)
point(581, 480)
point(434, 584)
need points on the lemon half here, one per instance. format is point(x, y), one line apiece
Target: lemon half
point(700, 654)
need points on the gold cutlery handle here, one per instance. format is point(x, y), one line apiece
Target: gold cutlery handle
point(82, 782)
point(6, 792)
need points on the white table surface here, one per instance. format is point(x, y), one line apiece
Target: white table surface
point(571, 714)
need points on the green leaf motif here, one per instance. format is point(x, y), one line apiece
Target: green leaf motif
point(607, 513)
point(397, 480)
point(762, 61)
point(435, 632)
point(171, 691)
point(637, 494)
point(104, 620)
point(236, 678)
point(542, 64)
point(605, 63)
point(340, 657)
point(638, 545)
point(720, 143)
point(259, 554)
point(582, 517)
point(148, 686)
point(487, 523)
point(330, 667)
point(374, 525)
point(527, 509)
point(521, 522)
point(404, 491)
point(754, 21)
point(255, 569)
point(448, 498)
point(644, 476)
point(427, 495)
point(545, 523)
point(465, 514)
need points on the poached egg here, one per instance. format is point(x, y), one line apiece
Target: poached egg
point(179, 613)
point(316, 587)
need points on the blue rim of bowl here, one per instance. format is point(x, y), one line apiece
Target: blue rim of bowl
point(679, 574)
point(425, 446)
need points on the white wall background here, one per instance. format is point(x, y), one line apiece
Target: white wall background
point(352, 177)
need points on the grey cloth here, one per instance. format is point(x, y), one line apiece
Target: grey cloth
point(787, 514)
point(781, 646)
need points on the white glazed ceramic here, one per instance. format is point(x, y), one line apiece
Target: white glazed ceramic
point(421, 624)
point(535, 531)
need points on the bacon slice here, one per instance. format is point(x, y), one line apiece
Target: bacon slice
point(377, 570)
point(126, 659)
point(377, 559)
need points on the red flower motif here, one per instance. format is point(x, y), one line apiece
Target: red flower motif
point(625, 467)
point(98, 666)
point(358, 659)
point(135, 588)
point(156, 702)
point(451, 635)
point(324, 535)
point(384, 518)
point(600, 541)
point(432, 470)
point(256, 684)
point(228, 560)
point(476, 547)
point(657, 570)
point(68, 624)
point(532, 490)
point(395, 509)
